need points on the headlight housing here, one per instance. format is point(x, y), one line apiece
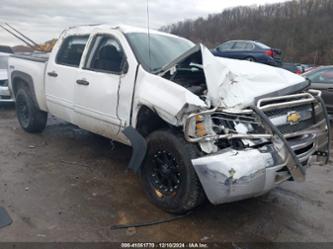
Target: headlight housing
point(218, 125)
point(200, 126)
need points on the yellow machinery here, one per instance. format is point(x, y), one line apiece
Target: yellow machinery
point(45, 47)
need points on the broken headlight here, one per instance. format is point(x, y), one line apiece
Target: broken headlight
point(200, 126)
point(225, 129)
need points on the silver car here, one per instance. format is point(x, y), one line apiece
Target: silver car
point(5, 95)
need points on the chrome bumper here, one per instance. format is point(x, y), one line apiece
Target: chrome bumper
point(5, 95)
point(232, 175)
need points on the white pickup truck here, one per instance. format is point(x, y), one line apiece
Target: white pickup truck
point(200, 126)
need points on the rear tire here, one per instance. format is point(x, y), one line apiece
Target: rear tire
point(169, 178)
point(250, 59)
point(30, 117)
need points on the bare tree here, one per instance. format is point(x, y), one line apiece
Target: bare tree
point(301, 28)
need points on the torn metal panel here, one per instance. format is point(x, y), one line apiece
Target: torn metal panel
point(236, 84)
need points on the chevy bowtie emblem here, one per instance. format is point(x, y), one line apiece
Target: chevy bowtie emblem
point(294, 117)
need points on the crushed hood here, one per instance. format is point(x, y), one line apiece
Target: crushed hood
point(236, 84)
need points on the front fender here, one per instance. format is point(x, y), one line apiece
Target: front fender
point(168, 99)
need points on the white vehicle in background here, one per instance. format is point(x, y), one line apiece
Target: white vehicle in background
point(5, 95)
point(200, 126)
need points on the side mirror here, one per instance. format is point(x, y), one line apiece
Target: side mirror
point(124, 67)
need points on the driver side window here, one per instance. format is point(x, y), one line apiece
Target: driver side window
point(106, 55)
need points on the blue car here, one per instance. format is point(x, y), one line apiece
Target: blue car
point(249, 50)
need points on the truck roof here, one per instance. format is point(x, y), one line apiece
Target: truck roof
point(122, 28)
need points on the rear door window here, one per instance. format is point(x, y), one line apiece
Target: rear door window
point(226, 46)
point(249, 46)
point(242, 46)
point(262, 46)
point(71, 50)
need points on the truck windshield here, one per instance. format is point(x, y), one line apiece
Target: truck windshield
point(163, 49)
point(3, 62)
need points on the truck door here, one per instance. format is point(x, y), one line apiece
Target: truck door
point(61, 74)
point(98, 84)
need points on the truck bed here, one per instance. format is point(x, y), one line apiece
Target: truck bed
point(33, 66)
point(39, 57)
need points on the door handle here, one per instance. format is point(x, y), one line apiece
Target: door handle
point(52, 74)
point(82, 82)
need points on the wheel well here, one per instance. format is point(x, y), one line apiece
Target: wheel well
point(149, 121)
point(22, 80)
point(18, 83)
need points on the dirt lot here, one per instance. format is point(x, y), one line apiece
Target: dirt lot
point(70, 185)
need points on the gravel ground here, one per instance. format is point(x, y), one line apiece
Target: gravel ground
point(67, 184)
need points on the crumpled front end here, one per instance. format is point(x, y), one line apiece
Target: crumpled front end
point(255, 124)
point(250, 152)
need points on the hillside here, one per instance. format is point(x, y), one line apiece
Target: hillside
point(301, 28)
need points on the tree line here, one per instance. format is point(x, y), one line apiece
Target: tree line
point(303, 29)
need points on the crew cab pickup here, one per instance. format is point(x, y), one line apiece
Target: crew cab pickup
point(200, 126)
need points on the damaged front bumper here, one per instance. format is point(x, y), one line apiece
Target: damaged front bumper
point(234, 174)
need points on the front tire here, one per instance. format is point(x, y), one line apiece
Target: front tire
point(169, 179)
point(30, 117)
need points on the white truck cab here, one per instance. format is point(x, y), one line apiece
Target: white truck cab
point(200, 126)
